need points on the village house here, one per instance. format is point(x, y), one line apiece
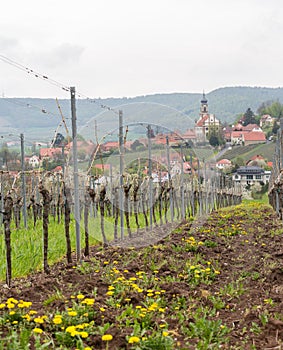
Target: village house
point(249, 175)
point(254, 137)
point(266, 119)
point(237, 137)
point(189, 136)
point(33, 161)
point(251, 128)
point(224, 164)
point(50, 153)
point(114, 145)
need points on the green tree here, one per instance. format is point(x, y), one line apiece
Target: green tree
point(239, 161)
point(214, 141)
point(215, 137)
point(249, 117)
point(275, 127)
point(275, 109)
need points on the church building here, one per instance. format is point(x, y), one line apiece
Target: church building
point(206, 122)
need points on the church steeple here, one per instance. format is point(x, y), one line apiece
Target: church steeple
point(204, 105)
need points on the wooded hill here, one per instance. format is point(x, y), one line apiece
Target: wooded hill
point(38, 118)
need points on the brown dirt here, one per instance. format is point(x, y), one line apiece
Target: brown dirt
point(253, 260)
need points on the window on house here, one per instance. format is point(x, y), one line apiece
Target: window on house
point(250, 177)
point(258, 177)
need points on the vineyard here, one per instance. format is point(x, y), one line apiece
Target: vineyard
point(135, 259)
point(139, 211)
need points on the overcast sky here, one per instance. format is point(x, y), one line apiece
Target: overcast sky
point(127, 48)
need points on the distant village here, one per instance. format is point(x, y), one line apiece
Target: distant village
point(207, 130)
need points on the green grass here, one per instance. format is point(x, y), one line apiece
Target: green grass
point(247, 152)
point(27, 245)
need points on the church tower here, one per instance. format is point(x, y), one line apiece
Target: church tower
point(203, 106)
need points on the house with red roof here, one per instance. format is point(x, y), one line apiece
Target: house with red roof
point(236, 137)
point(251, 127)
point(254, 137)
point(224, 164)
point(112, 145)
point(102, 167)
point(50, 152)
point(189, 135)
point(266, 119)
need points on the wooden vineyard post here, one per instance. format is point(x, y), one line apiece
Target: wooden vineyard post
point(23, 180)
point(182, 185)
point(46, 206)
point(86, 214)
point(116, 211)
point(169, 180)
point(136, 186)
point(34, 209)
point(76, 175)
point(101, 205)
point(127, 188)
point(121, 150)
point(149, 135)
point(7, 214)
point(67, 206)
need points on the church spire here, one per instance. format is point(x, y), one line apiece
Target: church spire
point(204, 105)
point(204, 100)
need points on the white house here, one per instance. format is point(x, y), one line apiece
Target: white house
point(34, 161)
point(249, 175)
point(224, 164)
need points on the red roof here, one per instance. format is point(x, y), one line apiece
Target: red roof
point(49, 152)
point(189, 134)
point(102, 166)
point(201, 122)
point(250, 127)
point(238, 127)
point(57, 169)
point(236, 134)
point(257, 157)
point(255, 136)
point(224, 161)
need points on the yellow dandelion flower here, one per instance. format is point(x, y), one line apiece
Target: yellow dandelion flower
point(38, 320)
point(83, 334)
point(133, 340)
point(32, 312)
point(107, 337)
point(27, 317)
point(37, 330)
point(57, 320)
point(80, 296)
point(165, 334)
point(72, 313)
point(12, 300)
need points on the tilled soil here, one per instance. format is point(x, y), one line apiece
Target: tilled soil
point(247, 246)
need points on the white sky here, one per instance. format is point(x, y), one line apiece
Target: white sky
point(111, 48)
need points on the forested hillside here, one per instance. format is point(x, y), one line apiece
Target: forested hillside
point(39, 117)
